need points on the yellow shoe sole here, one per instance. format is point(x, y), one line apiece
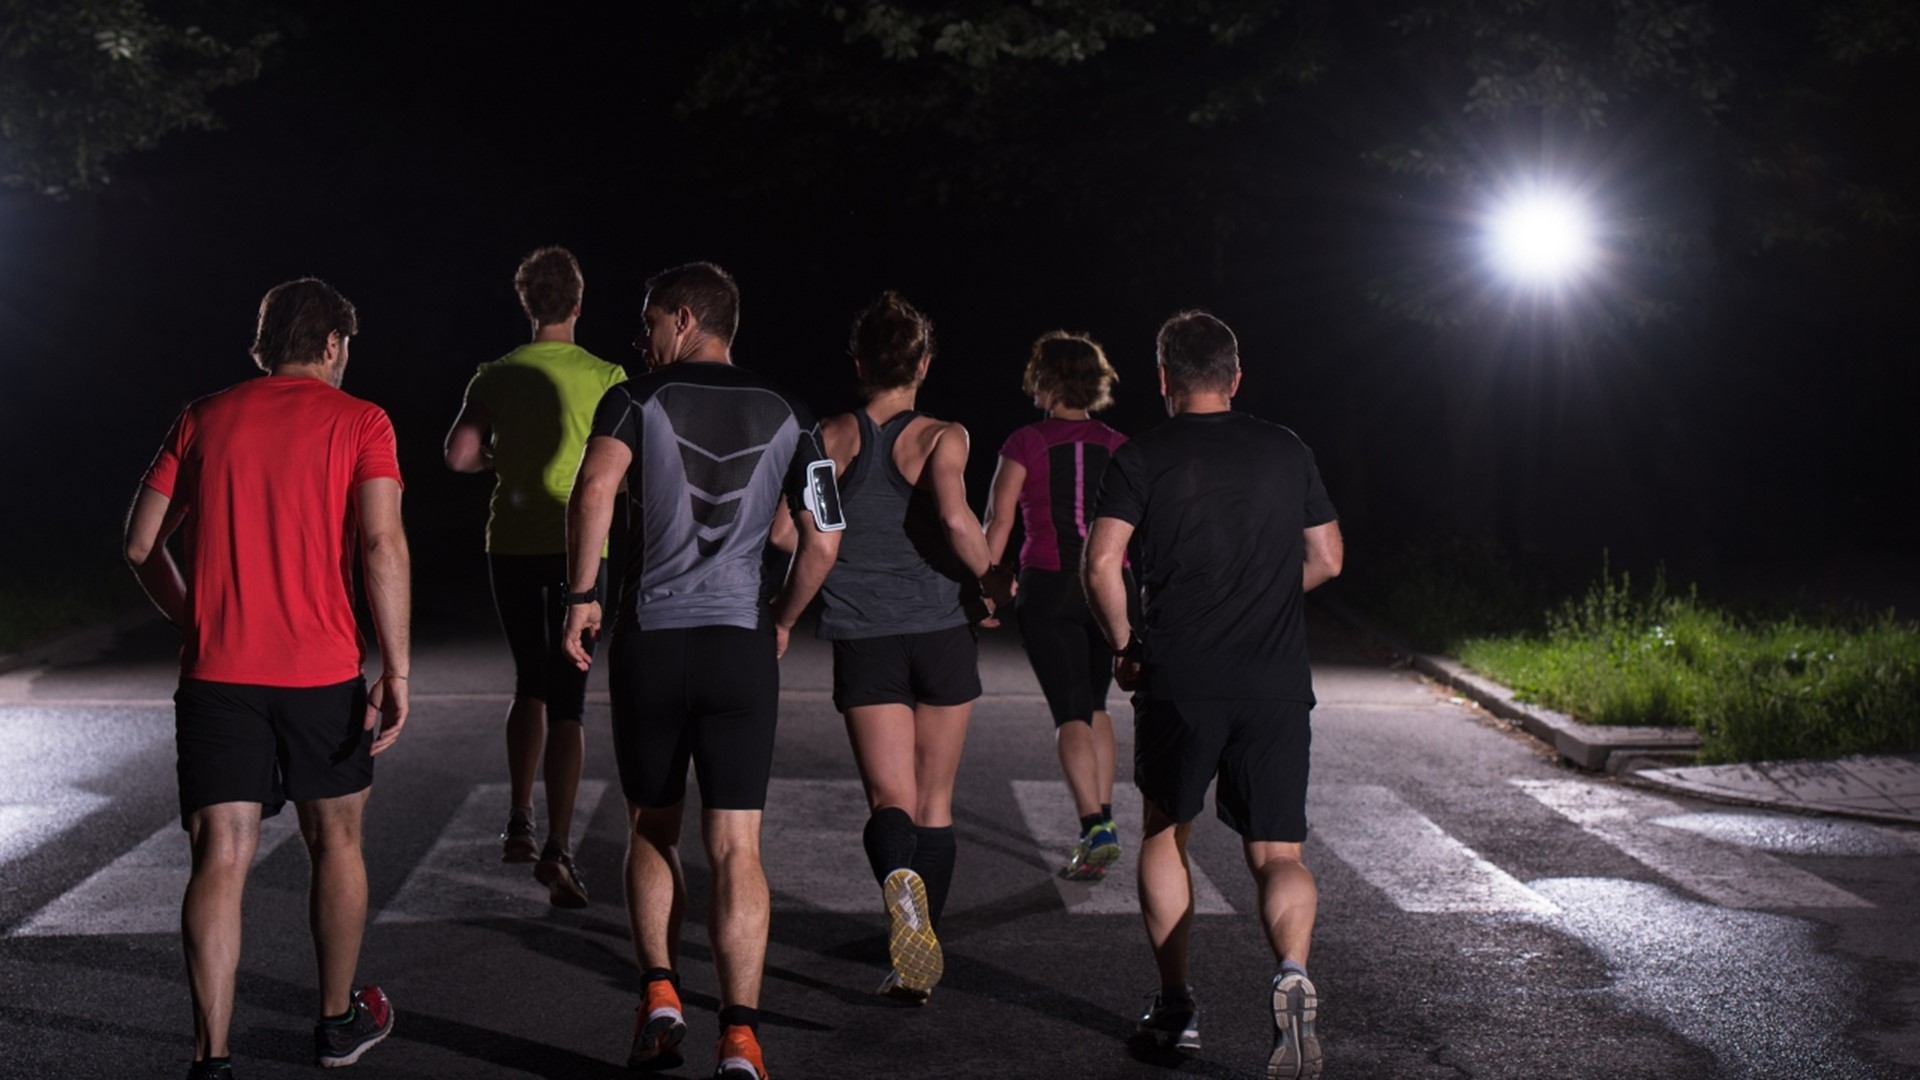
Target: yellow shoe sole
point(910, 941)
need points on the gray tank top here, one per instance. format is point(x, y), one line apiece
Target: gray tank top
point(896, 573)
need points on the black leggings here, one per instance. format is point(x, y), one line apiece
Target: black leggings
point(527, 591)
point(1069, 655)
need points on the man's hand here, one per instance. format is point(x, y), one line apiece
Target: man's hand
point(583, 623)
point(780, 635)
point(386, 711)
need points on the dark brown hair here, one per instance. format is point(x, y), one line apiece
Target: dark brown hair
point(295, 319)
point(1199, 353)
point(704, 289)
point(1073, 368)
point(549, 283)
point(888, 340)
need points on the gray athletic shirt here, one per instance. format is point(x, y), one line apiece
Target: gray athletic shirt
point(896, 573)
point(714, 447)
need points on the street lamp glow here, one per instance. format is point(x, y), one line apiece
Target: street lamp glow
point(1541, 239)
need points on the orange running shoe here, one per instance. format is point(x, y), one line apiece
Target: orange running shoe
point(658, 1027)
point(739, 1055)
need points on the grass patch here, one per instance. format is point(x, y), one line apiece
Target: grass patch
point(1784, 686)
point(47, 587)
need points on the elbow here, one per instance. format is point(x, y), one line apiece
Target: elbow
point(138, 552)
point(1333, 565)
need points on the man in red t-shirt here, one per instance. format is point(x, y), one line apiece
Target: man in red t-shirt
point(275, 485)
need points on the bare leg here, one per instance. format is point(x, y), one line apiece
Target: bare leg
point(566, 750)
point(882, 740)
point(336, 894)
point(1166, 893)
point(1103, 754)
point(656, 885)
point(737, 918)
point(526, 732)
point(223, 838)
point(939, 735)
point(1288, 897)
point(1075, 741)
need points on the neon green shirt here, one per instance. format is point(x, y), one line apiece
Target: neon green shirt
point(539, 399)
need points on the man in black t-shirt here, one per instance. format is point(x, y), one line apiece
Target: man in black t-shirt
point(1227, 526)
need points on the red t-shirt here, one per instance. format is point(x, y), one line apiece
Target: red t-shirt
point(266, 472)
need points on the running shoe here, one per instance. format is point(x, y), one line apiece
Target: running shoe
point(556, 871)
point(890, 987)
point(1296, 1049)
point(1095, 852)
point(516, 841)
point(210, 1070)
point(739, 1055)
point(342, 1044)
point(1169, 1025)
point(658, 1027)
point(911, 944)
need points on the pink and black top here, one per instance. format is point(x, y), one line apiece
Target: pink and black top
point(1064, 460)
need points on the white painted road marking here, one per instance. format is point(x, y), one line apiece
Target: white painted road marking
point(1420, 867)
point(1726, 875)
point(810, 846)
point(139, 892)
point(25, 826)
point(462, 877)
point(1047, 807)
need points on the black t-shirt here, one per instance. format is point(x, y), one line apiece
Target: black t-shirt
point(1219, 502)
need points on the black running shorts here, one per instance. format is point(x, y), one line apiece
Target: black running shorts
point(1257, 749)
point(940, 667)
point(269, 744)
point(709, 694)
point(527, 591)
point(1069, 654)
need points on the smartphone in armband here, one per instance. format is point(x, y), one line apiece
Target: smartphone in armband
point(822, 497)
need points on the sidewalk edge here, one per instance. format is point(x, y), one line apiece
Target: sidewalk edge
point(1594, 747)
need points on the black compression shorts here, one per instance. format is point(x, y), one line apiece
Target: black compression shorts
point(1258, 749)
point(940, 667)
point(709, 694)
point(237, 742)
point(527, 591)
point(1070, 656)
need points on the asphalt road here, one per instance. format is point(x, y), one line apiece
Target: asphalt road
point(1484, 912)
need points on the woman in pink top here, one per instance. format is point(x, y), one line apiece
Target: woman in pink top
point(1051, 471)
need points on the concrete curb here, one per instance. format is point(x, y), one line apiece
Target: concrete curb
point(1595, 747)
point(53, 648)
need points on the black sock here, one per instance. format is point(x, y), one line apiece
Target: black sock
point(933, 861)
point(343, 1018)
point(1106, 810)
point(1089, 821)
point(656, 974)
point(889, 840)
point(740, 1016)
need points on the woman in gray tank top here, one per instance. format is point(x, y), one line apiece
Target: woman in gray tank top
point(905, 665)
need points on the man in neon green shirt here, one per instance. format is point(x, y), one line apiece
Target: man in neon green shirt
point(526, 418)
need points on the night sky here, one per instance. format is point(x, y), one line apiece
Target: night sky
point(1763, 433)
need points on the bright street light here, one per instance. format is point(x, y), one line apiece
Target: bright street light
point(1541, 238)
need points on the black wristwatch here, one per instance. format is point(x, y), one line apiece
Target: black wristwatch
point(1132, 651)
point(591, 596)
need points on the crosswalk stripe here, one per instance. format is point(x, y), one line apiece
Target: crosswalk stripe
point(810, 846)
point(139, 892)
point(1727, 875)
point(25, 826)
point(462, 877)
point(1401, 852)
point(1047, 807)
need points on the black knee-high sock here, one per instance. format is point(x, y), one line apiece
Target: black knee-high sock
point(933, 861)
point(889, 839)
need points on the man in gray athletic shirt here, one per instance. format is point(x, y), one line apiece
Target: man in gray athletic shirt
point(707, 452)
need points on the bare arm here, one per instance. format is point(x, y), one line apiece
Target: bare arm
point(150, 522)
point(1002, 503)
point(783, 536)
point(1326, 554)
point(389, 568)
point(1101, 564)
point(589, 517)
point(817, 551)
point(467, 450)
